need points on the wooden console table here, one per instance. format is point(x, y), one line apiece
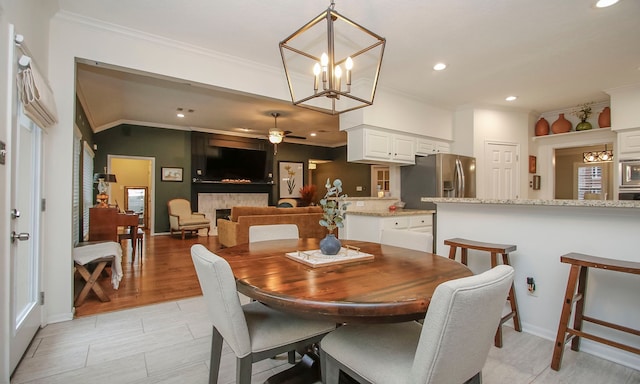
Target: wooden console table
point(104, 223)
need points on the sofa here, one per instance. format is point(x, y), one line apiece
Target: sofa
point(235, 230)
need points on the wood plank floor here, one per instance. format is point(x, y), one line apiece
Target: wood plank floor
point(166, 274)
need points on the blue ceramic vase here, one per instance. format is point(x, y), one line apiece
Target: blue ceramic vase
point(330, 245)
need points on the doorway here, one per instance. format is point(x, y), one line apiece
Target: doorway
point(135, 200)
point(502, 170)
point(134, 174)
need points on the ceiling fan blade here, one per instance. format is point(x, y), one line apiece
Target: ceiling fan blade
point(295, 137)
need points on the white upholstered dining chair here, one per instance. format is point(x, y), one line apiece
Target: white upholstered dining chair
point(253, 331)
point(450, 348)
point(273, 232)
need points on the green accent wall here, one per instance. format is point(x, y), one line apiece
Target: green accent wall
point(170, 148)
point(173, 148)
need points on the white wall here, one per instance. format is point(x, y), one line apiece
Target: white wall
point(463, 133)
point(496, 126)
point(624, 107)
point(30, 18)
point(543, 234)
point(402, 113)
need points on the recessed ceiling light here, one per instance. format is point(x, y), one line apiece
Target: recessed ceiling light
point(313, 134)
point(605, 3)
point(180, 114)
point(511, 98)
point(440, 66)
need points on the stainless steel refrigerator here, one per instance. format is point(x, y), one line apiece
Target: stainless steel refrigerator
point(439, 175)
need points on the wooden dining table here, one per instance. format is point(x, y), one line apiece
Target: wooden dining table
point(395, 285)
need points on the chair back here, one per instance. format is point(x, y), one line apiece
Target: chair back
point(459, 327)
point(179, 207)
point(419, 241)
point(273, 232)
point(219, 289)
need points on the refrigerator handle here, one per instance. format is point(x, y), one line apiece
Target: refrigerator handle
point(460, 179)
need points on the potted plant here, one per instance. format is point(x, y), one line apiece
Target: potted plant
point(583, 112)
point(334, 207)
point(307, 195)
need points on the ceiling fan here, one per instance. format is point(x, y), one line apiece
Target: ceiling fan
point(276, 135)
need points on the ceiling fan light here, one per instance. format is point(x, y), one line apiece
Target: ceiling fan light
point(275, 135)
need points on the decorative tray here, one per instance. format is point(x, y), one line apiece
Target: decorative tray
point(314, 258)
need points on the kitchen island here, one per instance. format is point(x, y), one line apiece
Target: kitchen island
point(367, 224)
point(544, 230)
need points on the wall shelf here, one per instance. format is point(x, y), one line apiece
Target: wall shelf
point(584, 134)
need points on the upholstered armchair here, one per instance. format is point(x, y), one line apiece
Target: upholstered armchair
point(182, 219)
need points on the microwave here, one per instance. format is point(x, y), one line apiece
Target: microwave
point(630, 173)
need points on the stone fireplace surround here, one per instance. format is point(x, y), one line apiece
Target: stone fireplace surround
point(208, 196)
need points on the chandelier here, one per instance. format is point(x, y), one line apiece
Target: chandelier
point(335, 68)
point(597, 156)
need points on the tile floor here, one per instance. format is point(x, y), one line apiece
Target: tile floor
point(169, 343)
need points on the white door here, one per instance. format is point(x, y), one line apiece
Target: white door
point(25, 227)
point(502, 170)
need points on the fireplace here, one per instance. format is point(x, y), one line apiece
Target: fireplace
point(218, 205)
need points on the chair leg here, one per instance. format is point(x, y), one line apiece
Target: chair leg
point(243, 370)
point(216, 355)
point(183, 234)
point(329, 369)
point(291, 357)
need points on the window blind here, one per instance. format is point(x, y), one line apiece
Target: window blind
point(87, 188)
point(76, 190)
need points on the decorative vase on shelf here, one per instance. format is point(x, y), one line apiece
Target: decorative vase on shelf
point(330, 245)
point(604, 119)
point(542, 127)
point(562, 125)
point(583, 126)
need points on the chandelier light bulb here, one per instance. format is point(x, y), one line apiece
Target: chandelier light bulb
point(316, 76)
point(338, 76)
point(324, 60)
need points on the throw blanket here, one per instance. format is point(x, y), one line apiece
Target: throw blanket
point(87, 253)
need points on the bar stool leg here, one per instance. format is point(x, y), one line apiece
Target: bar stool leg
point(452, 252)
point(512, 299)
point(463, 258)
point(577, 320)
point(567, 305)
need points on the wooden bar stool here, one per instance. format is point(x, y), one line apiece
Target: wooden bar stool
point(494, 249)
point(580, 265)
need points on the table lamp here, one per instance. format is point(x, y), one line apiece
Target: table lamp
point(103, 180)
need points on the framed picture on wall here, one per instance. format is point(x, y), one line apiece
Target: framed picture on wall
point(171, 173)
point(532, 164)
point(291, 176)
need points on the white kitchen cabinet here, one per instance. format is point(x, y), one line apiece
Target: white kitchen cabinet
point(370, 145)
point(629, 143)
point(369, 227)
point(425, 147)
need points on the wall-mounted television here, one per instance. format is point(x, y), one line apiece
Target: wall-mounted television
point(224, 163)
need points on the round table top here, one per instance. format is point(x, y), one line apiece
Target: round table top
point(396, 285)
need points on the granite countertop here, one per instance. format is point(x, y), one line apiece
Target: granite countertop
point(556, 203)
point(387, 213)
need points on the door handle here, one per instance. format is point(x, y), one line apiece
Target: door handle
point(19, 236)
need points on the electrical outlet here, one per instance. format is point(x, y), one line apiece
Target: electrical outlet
point(531, 287)
point(359, 203)
point(359, 188)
